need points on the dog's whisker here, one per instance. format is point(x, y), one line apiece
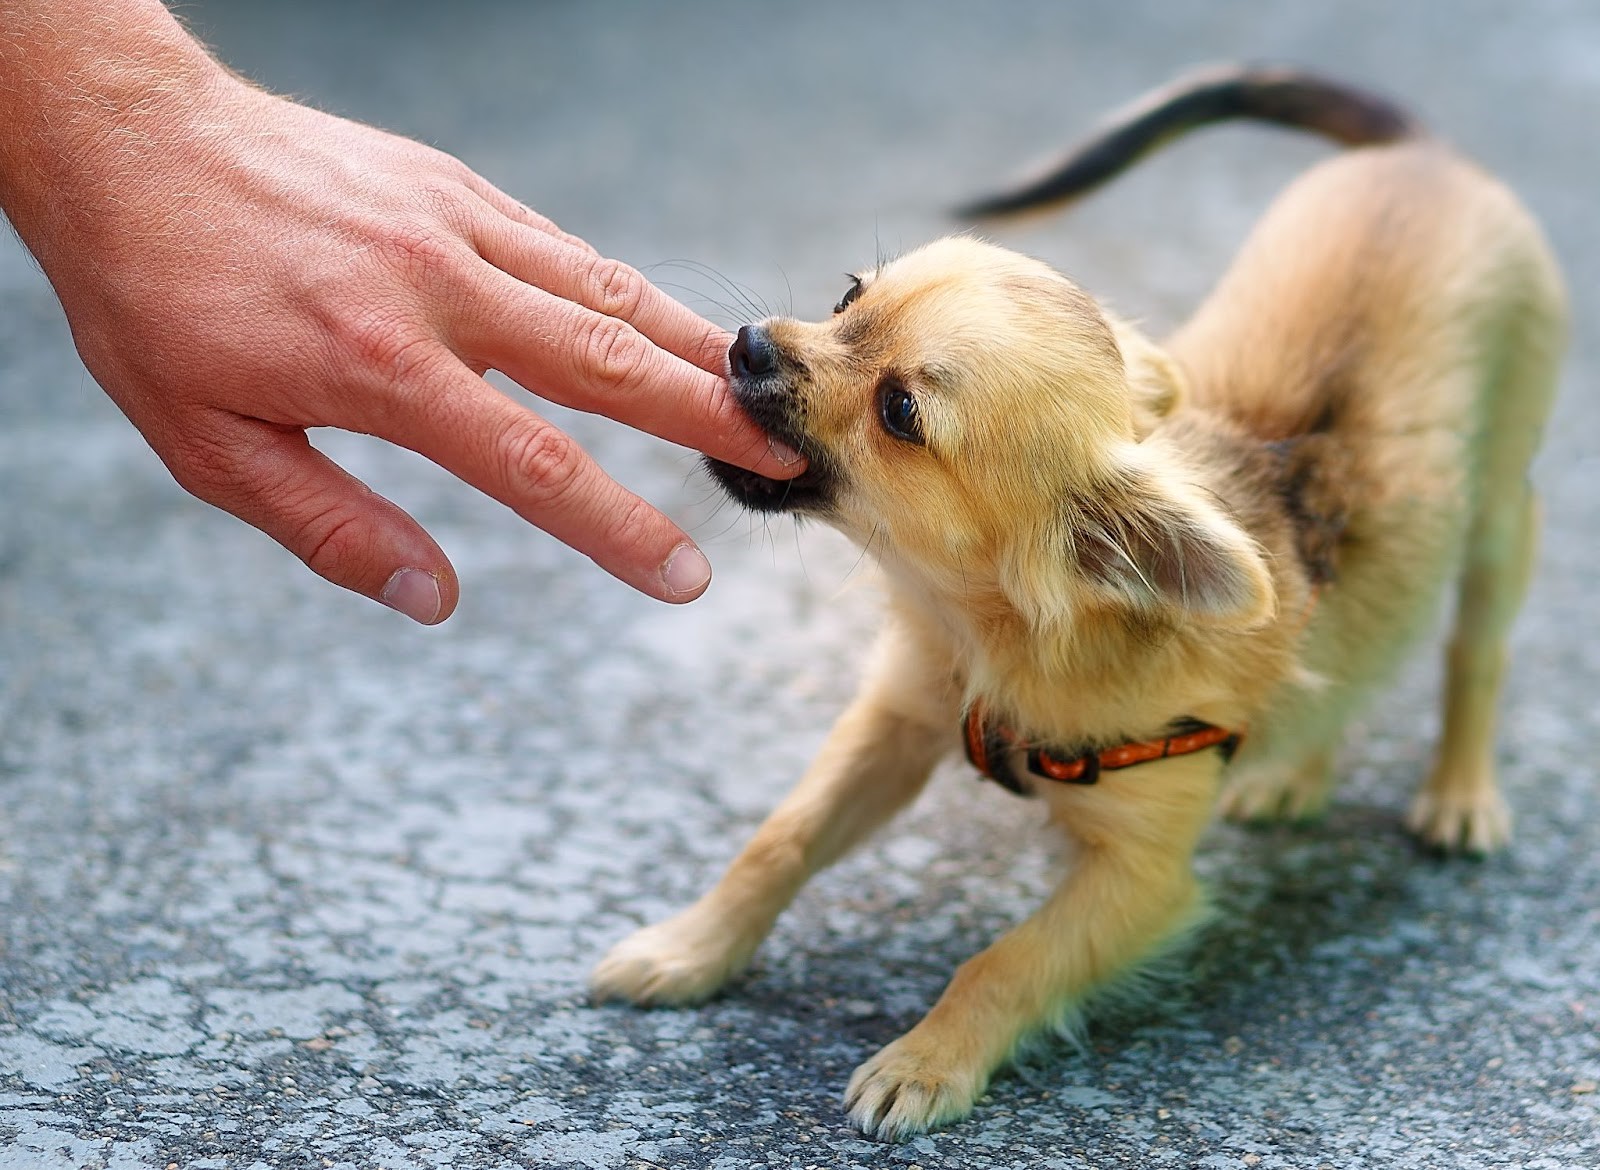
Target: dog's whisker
point(866, 549)
point(752, 307)
point(732, 316)
point(799, 551)
point(789, 293)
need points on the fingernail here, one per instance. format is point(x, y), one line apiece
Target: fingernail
point(783, 453)
point(413, 593)
point(686, 570)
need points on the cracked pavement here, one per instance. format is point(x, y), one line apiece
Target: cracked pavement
point(289, 882)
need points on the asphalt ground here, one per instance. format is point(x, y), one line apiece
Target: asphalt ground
point(287, 881)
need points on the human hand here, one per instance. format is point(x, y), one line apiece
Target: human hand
point(237, 268)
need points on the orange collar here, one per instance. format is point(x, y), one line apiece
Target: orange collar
point(990, 744)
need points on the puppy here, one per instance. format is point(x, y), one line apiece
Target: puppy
point(1139, 580)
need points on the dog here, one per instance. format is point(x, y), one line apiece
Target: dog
point(1140, 581)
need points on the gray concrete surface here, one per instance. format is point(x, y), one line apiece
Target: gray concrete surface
point(289, 882)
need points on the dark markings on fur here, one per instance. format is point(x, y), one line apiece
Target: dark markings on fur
point(858, 327)
point(1286, 97)
point(1325, 419)
point(1309, 486)
point(1286, 492)
point(1333, 389)
point(1311, 467)
point(999, 750)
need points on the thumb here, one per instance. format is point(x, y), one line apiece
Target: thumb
point(274, 479)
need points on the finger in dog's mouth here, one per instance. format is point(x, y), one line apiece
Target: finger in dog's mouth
point(810, 491)
point(762, 377)
point(773, 410)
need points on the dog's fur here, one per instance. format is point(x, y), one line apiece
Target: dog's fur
point(1097, 535)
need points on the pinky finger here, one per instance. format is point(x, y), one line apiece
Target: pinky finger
point(273, 479)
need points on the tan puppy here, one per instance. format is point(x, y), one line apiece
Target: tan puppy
point(1110, 560)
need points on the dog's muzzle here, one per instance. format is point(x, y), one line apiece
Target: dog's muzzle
point(765, 384)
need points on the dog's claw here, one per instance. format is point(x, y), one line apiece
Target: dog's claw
point(1477, 824)
point(906, 1089)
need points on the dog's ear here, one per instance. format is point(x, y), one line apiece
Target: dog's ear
point(1152, 542)
point(1156, 383)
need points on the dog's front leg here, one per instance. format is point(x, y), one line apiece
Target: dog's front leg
point(1130, 890)
point(874, 762)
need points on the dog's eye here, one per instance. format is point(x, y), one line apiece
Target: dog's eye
point(850, 294)
point(898, 410)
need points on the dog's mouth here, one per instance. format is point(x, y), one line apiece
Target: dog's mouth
point(763, 382)
point(810, 491)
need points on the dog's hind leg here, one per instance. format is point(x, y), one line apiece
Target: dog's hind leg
point(1460, 806)
point(876, 760)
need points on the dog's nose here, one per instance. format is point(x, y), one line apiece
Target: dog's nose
point(752, 353)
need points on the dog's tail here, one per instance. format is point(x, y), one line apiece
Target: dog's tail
point(1287, 97)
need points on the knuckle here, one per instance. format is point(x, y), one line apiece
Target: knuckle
point(636, 524)
point(422, 247)
point(447, 198)
point(614, 353)
point(542, 462)
point(205, 467)
point(618, 290)
point(386, 348)
point(328, 539)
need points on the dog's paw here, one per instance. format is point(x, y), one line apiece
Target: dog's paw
point(910, 1087)
point(672, 963)
point(1259, 799)
point(1477, 822)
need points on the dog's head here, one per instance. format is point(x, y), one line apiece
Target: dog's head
point(976, 420)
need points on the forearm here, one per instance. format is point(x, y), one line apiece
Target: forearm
point(87, 88)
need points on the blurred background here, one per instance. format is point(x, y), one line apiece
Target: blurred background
point(285, 880)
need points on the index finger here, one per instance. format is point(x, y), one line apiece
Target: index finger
point(606, 286)
point(589, 361)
